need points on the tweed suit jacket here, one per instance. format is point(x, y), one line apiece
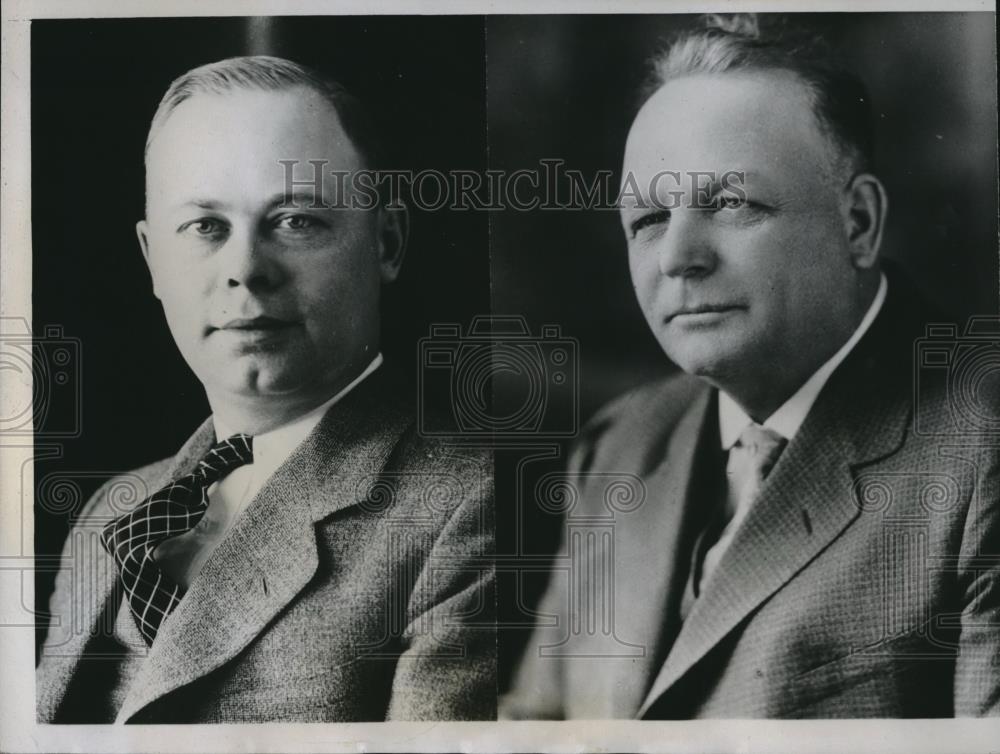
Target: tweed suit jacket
point(357, 586)
point(862, 583)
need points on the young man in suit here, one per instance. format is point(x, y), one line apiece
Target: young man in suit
point(307, 555)
point(821, 524)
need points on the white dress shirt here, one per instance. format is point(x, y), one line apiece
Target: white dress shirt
point(183, 556)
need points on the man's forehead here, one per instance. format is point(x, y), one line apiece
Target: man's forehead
point(213, 145)
point(750, 122)
point(296, 119)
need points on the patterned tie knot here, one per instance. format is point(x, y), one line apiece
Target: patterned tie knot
point(764, 447)
point(168, 512)
point(225, 456)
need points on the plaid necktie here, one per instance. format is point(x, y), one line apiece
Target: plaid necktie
point(750, 461)
point(171, 511)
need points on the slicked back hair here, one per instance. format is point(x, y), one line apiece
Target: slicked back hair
point(737, 43)
point(272, 74)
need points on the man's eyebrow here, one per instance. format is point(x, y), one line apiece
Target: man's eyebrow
point(209, 204)
point(300, 199)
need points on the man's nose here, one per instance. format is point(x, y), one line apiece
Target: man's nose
point(687, 249)
point(247, 261)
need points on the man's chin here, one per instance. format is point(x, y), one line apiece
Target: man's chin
point(705, 360)
point(261, 383)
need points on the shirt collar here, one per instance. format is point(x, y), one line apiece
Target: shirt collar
point(789, 417)
point(270, 449)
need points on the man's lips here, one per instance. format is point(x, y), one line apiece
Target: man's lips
point(702, 309)
point(255, 324)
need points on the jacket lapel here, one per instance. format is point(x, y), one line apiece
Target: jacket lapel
point(807, 501)
point(646, 555)
point(90, 615)
point(94, 602)
point(271, 553)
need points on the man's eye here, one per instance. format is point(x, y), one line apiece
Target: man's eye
point(204, 226)
point(730, 201)
point(653, 218)
point(298, 222)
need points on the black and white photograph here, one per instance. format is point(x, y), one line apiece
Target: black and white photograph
point(782, 501)
point(307, 553)
point(499, 377)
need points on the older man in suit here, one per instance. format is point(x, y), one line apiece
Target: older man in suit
point(307, 555)
point(820, 532)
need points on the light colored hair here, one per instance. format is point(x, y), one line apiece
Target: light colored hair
point(737, 42)
point(267, 73)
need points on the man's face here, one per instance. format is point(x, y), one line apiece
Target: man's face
point(263, 300)
point(746, 287)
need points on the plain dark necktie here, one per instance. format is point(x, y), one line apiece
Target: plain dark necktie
point(750, 461)
point(169, 512)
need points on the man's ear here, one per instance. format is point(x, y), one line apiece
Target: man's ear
point(866, 205)
point(142, 232)
point(393, 229)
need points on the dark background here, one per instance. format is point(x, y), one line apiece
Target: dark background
point(95, 87)
point(565, 87)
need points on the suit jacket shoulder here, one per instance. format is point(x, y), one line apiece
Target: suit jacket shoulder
point(632, 430)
